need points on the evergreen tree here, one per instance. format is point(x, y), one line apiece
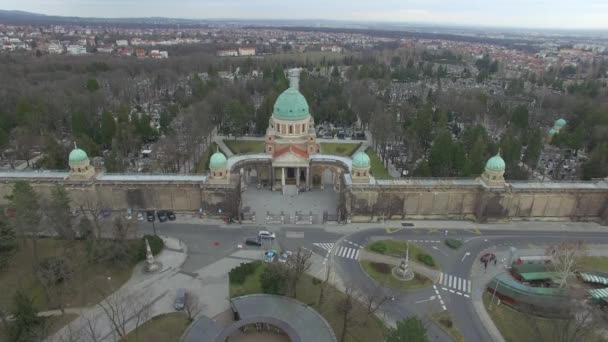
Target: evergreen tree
point(534, 147)
point(597, 165)
point(440, 156)
point(519, 118)
point(26, 326)
point(59, 213)
point(108, 128)
point(24, 201)
point(8, 242)
point(476, 158)
point(92, 85)
point(423, 170)
point(410, 329)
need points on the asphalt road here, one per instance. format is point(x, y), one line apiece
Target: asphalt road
point(208, 243)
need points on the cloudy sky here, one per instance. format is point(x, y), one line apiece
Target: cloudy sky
point(510, 13)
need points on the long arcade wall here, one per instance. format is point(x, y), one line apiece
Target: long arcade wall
point(471, 199)
point(433, 198)
point(177, 195)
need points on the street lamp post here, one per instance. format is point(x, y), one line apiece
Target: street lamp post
point(495, 288)
point(153, 225)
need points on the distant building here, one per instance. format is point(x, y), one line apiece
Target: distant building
point(140, 53)
point(105, 49)
point(247, 51)
point(227, 53)
point(125, 51)
point(122, 43)
point(76, 50)
point(159, 54)
point(55, 48)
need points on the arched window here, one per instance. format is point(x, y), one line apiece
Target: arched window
point(290, 129)
point(303, 127)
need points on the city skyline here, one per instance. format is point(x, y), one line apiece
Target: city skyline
point(560, 14)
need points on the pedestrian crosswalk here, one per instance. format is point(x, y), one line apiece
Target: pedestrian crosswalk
point(347, 252)
point(326, 246)
point(455, 284)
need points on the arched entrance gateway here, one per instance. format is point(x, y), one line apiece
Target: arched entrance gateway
point(292, 163)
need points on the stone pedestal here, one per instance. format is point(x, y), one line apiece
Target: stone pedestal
point(403, 271)
point(151, 265)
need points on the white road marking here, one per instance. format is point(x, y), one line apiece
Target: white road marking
point(440, 277)
point(449, 281)
point(451, 291)
point(469, 286)
point(466, 295)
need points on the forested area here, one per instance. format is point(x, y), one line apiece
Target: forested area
point(106, 106)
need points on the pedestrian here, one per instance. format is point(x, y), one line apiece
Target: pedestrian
point(495, 260)
point(445, 233)
point(485, 266)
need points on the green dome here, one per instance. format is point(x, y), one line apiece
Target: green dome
point(496, 163)
point(291, 105)
point(78, 156)
point(560, 123)
point(361, 160)
point(217, 161)
point(552, 131)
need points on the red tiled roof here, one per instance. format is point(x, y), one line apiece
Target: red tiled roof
point(290, 148)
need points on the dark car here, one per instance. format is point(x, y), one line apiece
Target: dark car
point(162, 216)
point(171, 215)
point(150, 215)
point(253, 241)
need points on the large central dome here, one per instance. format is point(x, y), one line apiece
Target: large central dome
point(291, 105)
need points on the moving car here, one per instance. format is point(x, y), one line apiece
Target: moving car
point(253, 242)
point(171, 215)
point(150, 216)
point(162, 216)
point(264, 234)
point(140, 216)
point(180, 299)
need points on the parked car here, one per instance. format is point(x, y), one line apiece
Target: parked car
point(74, 212)
point(284, 256)
point(140, 216)
point(150, 216)
point(171, 215)
point(270, 255)
point(264, 234)
point(162, 216)
point(253, 241)
point(129, 214)
point(180, 299)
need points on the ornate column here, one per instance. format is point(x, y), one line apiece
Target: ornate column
point(283, 177)
point(298, 177)
point(271, 173)
point(308, 178)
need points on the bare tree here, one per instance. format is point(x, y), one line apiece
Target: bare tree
point(94, 208)
point(582, 322)
point(297, 264)
point(120, 308)
point(373, 301)
point(192, 306)
point(565, 257)
point(324, 286)
point(345, 308)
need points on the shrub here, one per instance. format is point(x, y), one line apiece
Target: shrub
point(156, 245)
point(453, 243)
point(274, 279)
point(378, 247)
point(381, 267)
point(446, 322)
point(426, 259)
point(316, 281)
point(238, 274)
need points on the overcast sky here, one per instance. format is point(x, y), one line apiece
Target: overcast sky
point(512, 13)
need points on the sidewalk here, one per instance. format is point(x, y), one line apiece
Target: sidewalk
point(391, 260)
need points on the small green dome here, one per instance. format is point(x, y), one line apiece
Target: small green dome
point(361, 160)
point(496, 163)
point(552, 131)
point(291, 105)
point(217, 161)
point(78, 156)
point(560, 123)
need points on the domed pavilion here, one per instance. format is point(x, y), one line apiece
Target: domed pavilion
point(218, 168)
point(494, 172)
point(80, 166)
point(361, 165)
point(291, 138)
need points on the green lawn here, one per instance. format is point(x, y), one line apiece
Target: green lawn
point(382, 274)
point(593, 264)
point(162, 328)
point(90, 283)
point(308, 293)
point(52, 325)
point(245, 146)
point(516, 326)
point(337, 149)
point(445, 322)
point(377, 167)
point(396, 248)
